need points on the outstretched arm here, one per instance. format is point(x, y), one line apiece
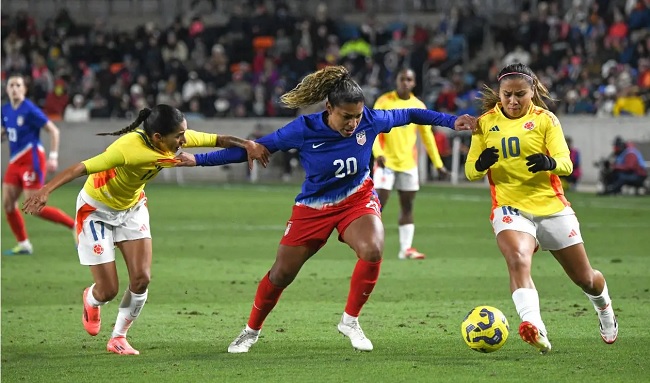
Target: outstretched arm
point(38, 200)
point(255, 151)
point(401, 117)
point(230, 155)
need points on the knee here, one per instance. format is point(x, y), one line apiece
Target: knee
point(140, 282)
point(8, 205)
point(587, 280)
point(282, 275)
point(518, 261)
point(370, 251)
point(105, 292)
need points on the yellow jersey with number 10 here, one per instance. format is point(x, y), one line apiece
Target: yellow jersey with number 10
point(117, 176)
point(511, 184)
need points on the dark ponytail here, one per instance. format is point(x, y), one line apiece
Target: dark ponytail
point(142, 116)
point(162, 119)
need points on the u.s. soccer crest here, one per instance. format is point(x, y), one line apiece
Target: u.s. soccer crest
point(361, 138)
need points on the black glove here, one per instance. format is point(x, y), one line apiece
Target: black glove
point(487, 158)
point(538, 162)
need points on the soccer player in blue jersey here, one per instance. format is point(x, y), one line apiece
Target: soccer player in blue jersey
point(22, 122)
point(334, 148)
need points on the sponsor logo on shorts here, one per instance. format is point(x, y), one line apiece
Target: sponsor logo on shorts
point(98, 249)
point(286, 231)
point(573, 233)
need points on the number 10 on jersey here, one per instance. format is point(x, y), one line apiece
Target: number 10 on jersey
point(510, 147)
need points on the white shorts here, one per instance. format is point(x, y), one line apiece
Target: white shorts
point(385, 178)
point(99, 227)
point(553, 232)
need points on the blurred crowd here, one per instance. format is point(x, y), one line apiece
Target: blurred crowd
point(594, 56)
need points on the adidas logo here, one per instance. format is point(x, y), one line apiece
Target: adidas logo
point(572, 233)
point(495, 128)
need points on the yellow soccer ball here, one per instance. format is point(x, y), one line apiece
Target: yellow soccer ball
point(485, 329)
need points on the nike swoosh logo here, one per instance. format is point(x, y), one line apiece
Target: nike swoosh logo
point(317, 145)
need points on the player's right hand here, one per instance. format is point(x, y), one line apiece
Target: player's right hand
point(487, 158)
point(381, 161)
point(35, 202)
point(185, 159)
point(466, 122)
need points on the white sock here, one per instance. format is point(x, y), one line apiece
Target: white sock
point(129, 311)
point(602, 302)
point(251, 331)
point(347, 318)
point(25, 244)
point(527, 305)
point(90, 298)
point(406, 233)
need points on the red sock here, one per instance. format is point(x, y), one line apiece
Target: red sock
point(17, 224)
point(266, 298)
point(57, 216)
point(364, 278)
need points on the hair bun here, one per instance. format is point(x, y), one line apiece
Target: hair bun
point(144, 113)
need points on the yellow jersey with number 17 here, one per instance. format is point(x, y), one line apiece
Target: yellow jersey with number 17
point(399, 145)
point(511, 184)
point(118, 175)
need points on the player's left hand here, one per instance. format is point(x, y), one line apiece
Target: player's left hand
point(466, 122)
point(52, 164)
point(257, 152)
point(185, 159)
point(444, 172)
point(538, 162)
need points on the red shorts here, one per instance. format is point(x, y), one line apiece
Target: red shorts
point(24, 173)
point(312, 227)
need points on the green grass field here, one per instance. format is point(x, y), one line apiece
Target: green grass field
point(212, 245)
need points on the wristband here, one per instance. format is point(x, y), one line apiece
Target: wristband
point(54, 156)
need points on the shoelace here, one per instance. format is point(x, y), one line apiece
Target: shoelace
point(243, 337)
point(355, 326)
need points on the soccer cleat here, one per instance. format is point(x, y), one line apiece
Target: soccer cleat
point(243, 342)
point(410, 253)
point(91, 318)
point(531, 335)
point(119, 345)
point(608, 324)
point(20, 250)
point(354, 332)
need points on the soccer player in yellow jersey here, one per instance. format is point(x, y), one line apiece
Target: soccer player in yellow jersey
point(520, 145)
point(396, 159)
point(112, 209)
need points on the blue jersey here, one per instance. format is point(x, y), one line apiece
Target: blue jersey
point(23, 126)
point(335, 166)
